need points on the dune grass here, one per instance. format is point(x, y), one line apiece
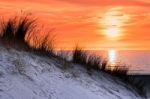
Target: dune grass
point(93, 62)
point(79, 56)
point(120, 71)
point(14, 29)
point(25, 25)
point(89, 61)
point(46, 46)
point(8, 29)
point(16, 32)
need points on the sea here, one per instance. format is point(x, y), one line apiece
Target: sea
point(138, 61)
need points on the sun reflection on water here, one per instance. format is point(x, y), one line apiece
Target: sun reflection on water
point(112, 57)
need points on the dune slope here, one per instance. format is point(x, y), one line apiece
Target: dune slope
point(24, 75)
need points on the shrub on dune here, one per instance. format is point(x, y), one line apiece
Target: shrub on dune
point(137, 84)
point(103, 65)
point(122, 73)
point(14, 29)
point(93, 62)
point(8, 29)
point(118, 70)
point(90, 61)
point(45, 44)
point(25, 25)
point(79, 56)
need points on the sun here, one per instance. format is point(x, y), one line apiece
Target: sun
point(113, 21)
point(112, 32)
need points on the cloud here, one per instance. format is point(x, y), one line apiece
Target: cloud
point(88, 2)
point(74, 18)
point(108, 2)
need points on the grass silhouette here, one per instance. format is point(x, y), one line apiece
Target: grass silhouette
point(79, 56)
point(46, 46)
point(19, 30)
point(96, 63)
point(14, 29)
point(8, 29)
point(25, 25)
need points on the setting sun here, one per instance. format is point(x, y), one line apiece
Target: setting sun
point(112, 32)
point(113, 22)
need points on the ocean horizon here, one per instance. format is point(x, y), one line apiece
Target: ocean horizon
point(137, 60)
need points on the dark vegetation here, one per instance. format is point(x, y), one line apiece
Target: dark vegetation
point(22, 32)
point(16, 28)
point(46, 47)
point(93, 62)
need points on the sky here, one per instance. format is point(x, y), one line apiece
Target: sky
point(92, 24)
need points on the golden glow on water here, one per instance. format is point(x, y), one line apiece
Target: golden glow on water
point(113, 22)
point(112, 57)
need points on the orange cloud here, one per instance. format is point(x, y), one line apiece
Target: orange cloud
point(109, 2)
point(80, 21)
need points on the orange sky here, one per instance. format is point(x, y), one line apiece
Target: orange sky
point(90, 23)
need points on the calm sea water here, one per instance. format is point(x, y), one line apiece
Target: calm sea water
point(138, 61)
